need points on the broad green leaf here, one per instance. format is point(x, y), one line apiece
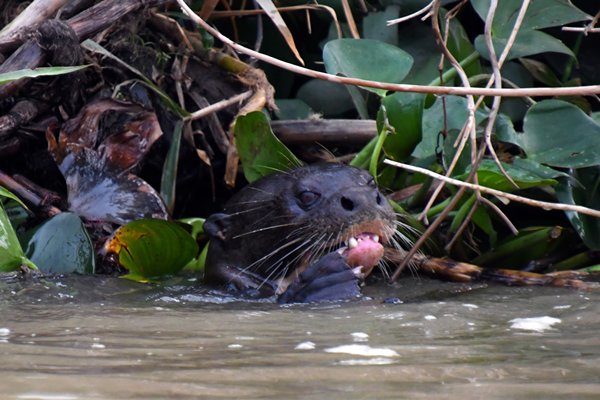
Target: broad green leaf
point(375, 26)
point(527, 43)
point(559, 134)
point(11, 253)
point(152, 248)
point(292, 109)
point(405, 113)
point(489, 175)
point(541, 71)
point(583, 190)
point(418, 40)
point(540, 14)
point(67, 252)
point(367, 59)
point(537, 169)
point(330, 99)
point(35, 73)
point(449, 151)
point(260, 151)
point(433, 123)
point(461, 47)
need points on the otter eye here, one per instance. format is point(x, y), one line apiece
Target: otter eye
point(308, 198)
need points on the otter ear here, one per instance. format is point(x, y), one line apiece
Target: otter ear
point(217, 226)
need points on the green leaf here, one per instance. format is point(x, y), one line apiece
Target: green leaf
point(35, 73)
point(375, 26)
point(330, 99)
point(433, 122)
point(152, 248)
point(418, 40)
point(405, 113)
point(583, 190)
point(559, 134)
point(11, 253)
point(529, 244)
point(449, 152)
point(197, 225)
point(260, 151)
point(292, 109)
point(489, 175)
point(169, 173)
point(540, 14)
point(70, 251)
point(541, 72)
point(481, 218)
point(367, 59)
point(6, 193)
point(527, 43)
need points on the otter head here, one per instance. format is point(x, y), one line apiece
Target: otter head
point(275, 227)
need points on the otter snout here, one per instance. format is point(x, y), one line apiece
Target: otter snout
point(359, 201)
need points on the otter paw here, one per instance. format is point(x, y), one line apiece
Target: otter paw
point(328, 279)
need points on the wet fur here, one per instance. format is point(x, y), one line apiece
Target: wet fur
point(265, 235)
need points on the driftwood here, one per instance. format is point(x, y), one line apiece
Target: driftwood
point(449, 270)
point(342, 131)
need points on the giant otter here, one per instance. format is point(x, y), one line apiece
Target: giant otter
point(310, 234)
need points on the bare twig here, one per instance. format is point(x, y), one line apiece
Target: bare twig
point(410, 16)
point(495, 208)
point(219, 106)
point(580, 29)
point(497, 77)
point(439, 90)
point(589, 28)
point(468, 131)
point(350, 19)
point(535, 203)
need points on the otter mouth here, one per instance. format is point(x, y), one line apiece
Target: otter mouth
point(362, 252)
point(361, 245)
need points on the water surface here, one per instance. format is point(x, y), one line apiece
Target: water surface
point(107, 338)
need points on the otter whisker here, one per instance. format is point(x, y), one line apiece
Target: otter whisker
point(385, 269)
point(264, 229)
point(261, 260)
point(274, 268)
point(248, 210)
point(319, 247)
point(309, 250)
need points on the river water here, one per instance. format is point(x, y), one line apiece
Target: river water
point(107, 338)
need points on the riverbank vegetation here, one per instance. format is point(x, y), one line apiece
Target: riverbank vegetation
point(124, 123)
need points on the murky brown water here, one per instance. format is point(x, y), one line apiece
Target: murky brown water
point(103, 338)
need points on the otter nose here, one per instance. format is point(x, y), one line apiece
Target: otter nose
point(357, 201)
